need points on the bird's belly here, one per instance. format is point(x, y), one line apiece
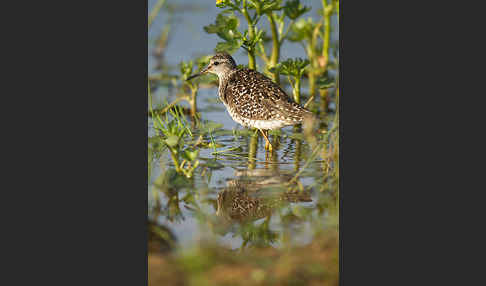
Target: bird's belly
point(254, 123)
point(267, 124)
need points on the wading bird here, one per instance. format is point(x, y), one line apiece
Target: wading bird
point(252, 99)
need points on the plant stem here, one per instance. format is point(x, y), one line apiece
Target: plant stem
point(251, 35)
point(176, 161)
point(324, 100)
point(314, 70)
point(312, 84)
point(275, 48)
point(327, 9)
point(252, 151)
point(150, 98)
point(160, 112)
point(193, 102)
point(151, 108)
point(155, 12)
point(297, 90)
point(313, 155)
point(298, 149)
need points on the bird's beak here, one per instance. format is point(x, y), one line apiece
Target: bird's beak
point(205, 70)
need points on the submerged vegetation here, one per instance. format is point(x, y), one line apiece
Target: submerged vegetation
point(220, 213)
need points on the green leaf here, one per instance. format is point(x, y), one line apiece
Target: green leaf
point(186, 69)
point(203, 61)
point(222, 3)
point(269, 6)
point(229, 47)
point(324, 83)
point(190, 155)
point(250, 43)
point(293, 9)
point(291, 67)
point(225, 27)
point(301, 30)
point(228, 3)
point(212, 145)
point(172, 141)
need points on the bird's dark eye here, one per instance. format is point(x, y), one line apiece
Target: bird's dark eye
point(216, 63)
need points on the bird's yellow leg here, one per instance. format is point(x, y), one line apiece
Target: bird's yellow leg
point(268, 145)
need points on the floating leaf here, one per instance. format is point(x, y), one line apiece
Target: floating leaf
point(214, 145)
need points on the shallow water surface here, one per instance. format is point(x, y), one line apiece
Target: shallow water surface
point(240, 195)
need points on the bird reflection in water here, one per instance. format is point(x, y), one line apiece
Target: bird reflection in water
point(253, 195)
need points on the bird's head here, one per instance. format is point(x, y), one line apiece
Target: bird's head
point(219, 64)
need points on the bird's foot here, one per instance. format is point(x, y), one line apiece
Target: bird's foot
point(268, 146)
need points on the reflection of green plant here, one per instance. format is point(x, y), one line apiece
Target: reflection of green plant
point(293, 68)
point(160, 237)
point(258, 235)
point(187, 189)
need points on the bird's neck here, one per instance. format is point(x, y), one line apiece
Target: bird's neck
point(223, 81)
point(223, 77)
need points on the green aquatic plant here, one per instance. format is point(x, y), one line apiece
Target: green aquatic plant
point(257, 235)
point(292, 10)
point(173, 130)
point(328, 7)
point(292, 68)
point(189, 159)
point(186, 71)
point(189, 88)
point(226, 27)
point(306, 32)
point(252, 39)
point(314, 36)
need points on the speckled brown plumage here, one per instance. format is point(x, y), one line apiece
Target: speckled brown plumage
point(251, 98)
point(250, 198)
